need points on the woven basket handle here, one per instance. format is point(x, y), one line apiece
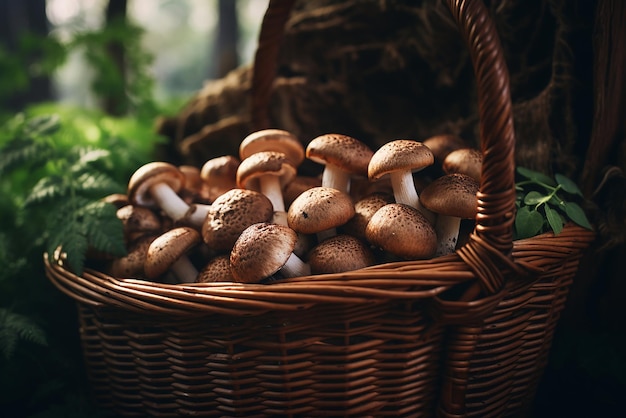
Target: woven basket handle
point(488, 250)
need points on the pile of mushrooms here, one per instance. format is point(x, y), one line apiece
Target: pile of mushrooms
point(253, 218)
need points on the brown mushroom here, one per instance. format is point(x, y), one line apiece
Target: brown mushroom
point(132, 264)
point(264, 249)
point(403, 231)
point(452, 197)
point(168, 253)
point(267, 172)
point(219, 175)
point(320, 210)
point(157, 184)
point(216, 270)
point(273, 140)
point(340, 253)
point(464, 161)
point(399, 159)
point(231, 213)
point(441, 145)
point(364, 209)
point(138, 221)
point(342, 156)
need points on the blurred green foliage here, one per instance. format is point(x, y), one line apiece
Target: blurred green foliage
point(56, 163)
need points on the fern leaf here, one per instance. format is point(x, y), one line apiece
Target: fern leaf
point(96, 185)
point(88, 155)
point(105, 231)
point(15, 327)
point(65, 228)
point(47, 189)
point(24, 152)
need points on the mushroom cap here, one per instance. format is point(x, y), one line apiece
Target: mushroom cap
point(318, 209)
point(260, 251)
point(117, 199)
point(138, 221)
point(364, 209)
point(452, 195)
point(298, 185)
point(343, 151)
point(216, 270)
point(442, 145)
point(132, 264)
point(231, 213)
point(264, 163)
point(403, 231)
point(273, 140)
point(169, 247)
point(152, 173)
point(220, 172)
point(399, 155)
point(193, 181)
point(340, 253)
point(465, 161)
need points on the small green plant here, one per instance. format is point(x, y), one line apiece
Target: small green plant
point(544, 203)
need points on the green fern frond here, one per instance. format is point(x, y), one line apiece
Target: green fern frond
point(47, 189)
point(15, 327)
point(83, 158)
point(96, 184)
point(105, 231)
point(24, 152)
point(80, 224)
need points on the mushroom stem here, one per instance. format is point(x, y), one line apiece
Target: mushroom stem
point(184, 270)
point(326, 233)
point(169, 201)
point(404, 188)
point(336, 178)
point(404, 192)
point(270, 187)
point(196, 214)
point(295, 267)
point(280, 218)
point(447, 229)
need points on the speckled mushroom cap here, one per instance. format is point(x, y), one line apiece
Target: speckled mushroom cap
point(343, 151)
point(231, 213)
point(399, 155)
point(138, 221)
point(452, 195)
point(169, 247)
point(260, 251)
point(273, 140)
point(132, 264)
point(216, 270)
point(442, 145)
point(261, 164)
point(318, 209)
point(220, 172)
point(152, 173)
point(364, 209)
point(338, 254)
point(403, 231)
point(464, 161)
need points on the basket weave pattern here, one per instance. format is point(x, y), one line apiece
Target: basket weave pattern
point(460, 335)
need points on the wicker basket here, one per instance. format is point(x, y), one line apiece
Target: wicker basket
point(460, 335)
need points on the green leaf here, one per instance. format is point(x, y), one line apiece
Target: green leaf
point(577, 215)
point(568, 185)
point(536, 176)
point(15, 327)
point(554, 220)
point(24, 152)
point(528, 223)
point(47, 189)
point(535, 198)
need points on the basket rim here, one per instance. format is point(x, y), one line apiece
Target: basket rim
point(401, 280)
